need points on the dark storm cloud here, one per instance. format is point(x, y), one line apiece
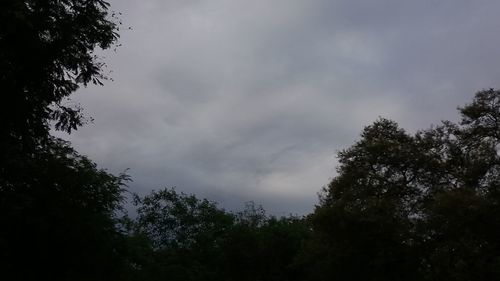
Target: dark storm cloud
point(250, 100)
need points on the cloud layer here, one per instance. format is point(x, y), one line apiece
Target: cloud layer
point(250, 100)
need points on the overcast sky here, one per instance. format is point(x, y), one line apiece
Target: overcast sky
point(250, 100)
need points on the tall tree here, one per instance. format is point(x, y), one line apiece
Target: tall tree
point(362, 228)
point(46, 53)
point(57, 209)
point(460, 229)
point(414, 207)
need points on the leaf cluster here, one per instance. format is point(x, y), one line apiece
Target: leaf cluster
point(414, 207)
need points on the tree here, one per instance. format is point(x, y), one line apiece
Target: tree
point(414, 207)
point(362, 226)
point(460, 229)
point(182, 237)
point(57, 209)
point(185, 236)
point(59, 219)
point(264, 247)
point(46, 53)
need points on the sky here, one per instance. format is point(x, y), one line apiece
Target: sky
point(240, 101)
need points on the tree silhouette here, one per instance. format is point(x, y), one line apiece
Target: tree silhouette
point(57, 214)
point(57, 209)
point(181, 237)
point(421, 207)
point(46, 53)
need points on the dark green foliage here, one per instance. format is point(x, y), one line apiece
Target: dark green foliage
point(177, 220)
point(421, 207)
point(57, 209)
point(58, 217)
point(185, 238)
point(262, 247)
point(481, 118)
point(46, 53)
point(362, 227)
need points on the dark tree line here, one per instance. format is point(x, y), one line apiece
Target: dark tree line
point(423, 206)
point(180, 237)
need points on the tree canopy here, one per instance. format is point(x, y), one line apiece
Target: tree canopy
point(47, 50)
point(415, 207)
point(59, 218)
point(58, 211)
point(402, 206)
point(181, 237)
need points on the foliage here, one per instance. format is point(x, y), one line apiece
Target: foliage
point(58, 217)
point(414, 207)
point(57, 209)
point(185, 238)
point(423, 206)
point(46, 53)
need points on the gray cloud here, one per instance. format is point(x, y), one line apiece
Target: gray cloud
point(250, 100)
